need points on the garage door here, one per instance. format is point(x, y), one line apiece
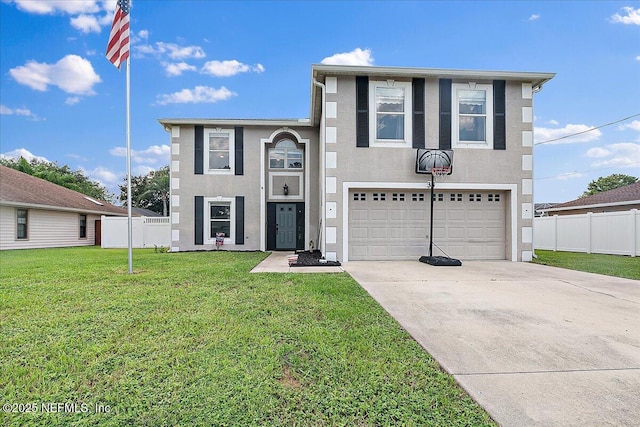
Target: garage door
point(394, 225)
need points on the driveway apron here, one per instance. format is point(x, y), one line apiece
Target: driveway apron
point(534, 345)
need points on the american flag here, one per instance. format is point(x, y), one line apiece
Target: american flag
point(118, 47)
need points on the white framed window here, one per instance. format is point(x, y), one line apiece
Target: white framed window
point(219, 147)
point(220, 218)
point(472, 115)
point(286, 155)
point(390, 113)
point(22, 224)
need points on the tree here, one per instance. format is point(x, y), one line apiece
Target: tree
point(149, 191)
point(607, 183)
point(61, 175)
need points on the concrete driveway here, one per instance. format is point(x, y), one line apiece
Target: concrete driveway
point(534, 345)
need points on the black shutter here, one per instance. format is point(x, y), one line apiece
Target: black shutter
point(499, 118)
point(198, 232)
point(362, 111)
point(239, 150)
point(271, 226)
point(300, 226)
point(239, 220)
point(418, 113)
point(445, 115)
point(198, 160)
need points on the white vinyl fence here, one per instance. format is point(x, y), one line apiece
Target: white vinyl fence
point(616, 233)
point(148, 232)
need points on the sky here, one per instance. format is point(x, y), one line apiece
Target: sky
point(61, 100)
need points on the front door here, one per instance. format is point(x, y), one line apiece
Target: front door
point(285, 226)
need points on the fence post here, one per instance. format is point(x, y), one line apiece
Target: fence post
point(634, 232)
point(589, 231)
point(555, 233)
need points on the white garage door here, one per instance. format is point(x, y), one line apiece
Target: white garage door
point(388, 225)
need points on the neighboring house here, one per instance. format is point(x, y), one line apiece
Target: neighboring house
point(343, 181)
point(619, 199)
point(144, 212)
point(35, 213)
point(540, 208)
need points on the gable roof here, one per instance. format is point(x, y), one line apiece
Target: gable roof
point(21, 189)
point(627, 195)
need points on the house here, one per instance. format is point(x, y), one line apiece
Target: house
point(343, 180)
point(619, 199)
point(35, 213)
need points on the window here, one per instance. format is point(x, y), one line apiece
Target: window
point(83, 226)
point(285, 155)
point(219, 145)
point(390, 113)
point(22, 216)
point(220, 218)
point(359, 196)
point(473, 115)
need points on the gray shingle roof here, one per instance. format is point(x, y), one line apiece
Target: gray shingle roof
point(18, 188)
point(628, 193)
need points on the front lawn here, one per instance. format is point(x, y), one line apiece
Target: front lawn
point(194, 339)
point(611, 265)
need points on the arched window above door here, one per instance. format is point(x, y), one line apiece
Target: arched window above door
point(285, 155)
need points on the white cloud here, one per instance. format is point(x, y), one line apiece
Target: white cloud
point(176, 69)
point(153, 155)
point(72, 100)
point(103, 175)
point(553, 122)
point(200, 94)
point(171, 50)
point(141, 170)
point(50, 7)
point(534, 17)
point(638, 58)
point(545, 134)
point(634, 125)
point(92, 52)
point(86, 24)
point(23, 152)
point(19, 112)
point(569, 175)
point(597, 152)
point(73, 74)
point(143, 34)
point(229, 68)
point(355, 57)
point(630, 16)
point(624, 154)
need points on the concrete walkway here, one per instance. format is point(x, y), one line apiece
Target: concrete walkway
point(277, 263)
point(534, 345)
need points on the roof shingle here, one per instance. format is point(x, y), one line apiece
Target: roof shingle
point(23, 189)
point(628, 193)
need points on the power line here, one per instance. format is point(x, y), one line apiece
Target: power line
point(588, 130)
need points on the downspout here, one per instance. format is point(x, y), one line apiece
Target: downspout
point(321, 244)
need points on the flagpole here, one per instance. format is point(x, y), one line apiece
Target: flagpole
point(129, 220)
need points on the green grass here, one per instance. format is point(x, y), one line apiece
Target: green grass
point(194, 339)
point(611, 265)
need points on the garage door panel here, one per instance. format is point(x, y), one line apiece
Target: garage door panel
point(466, 226)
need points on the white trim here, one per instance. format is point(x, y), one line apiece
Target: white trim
point(527, 186)
point(527, 91)
point(332, 84)
point(455, 123)
point(307, 184)
point(408, 116)
point(527, 114)
point(175, 200)
point(175, 235)
point(347, 186)
point(175, 131)
point(331, 161)
point(332, 110)
point(231, 133)
point(527, 211)
point(527, 138)
point(175, 218)
point(332, 233)
point(331, 185)
point(175, 149)
point(175, 165)
point(291, 197)
point(331, 135)
point(527, 162)
point(229, 240)
point(332, 210)
point(527, 234)
point(175, 183)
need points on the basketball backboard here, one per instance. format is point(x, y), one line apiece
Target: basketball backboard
point(428, 159)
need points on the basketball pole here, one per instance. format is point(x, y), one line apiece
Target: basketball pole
point(431, 220)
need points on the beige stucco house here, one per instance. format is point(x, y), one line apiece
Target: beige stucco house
point(343, 180)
